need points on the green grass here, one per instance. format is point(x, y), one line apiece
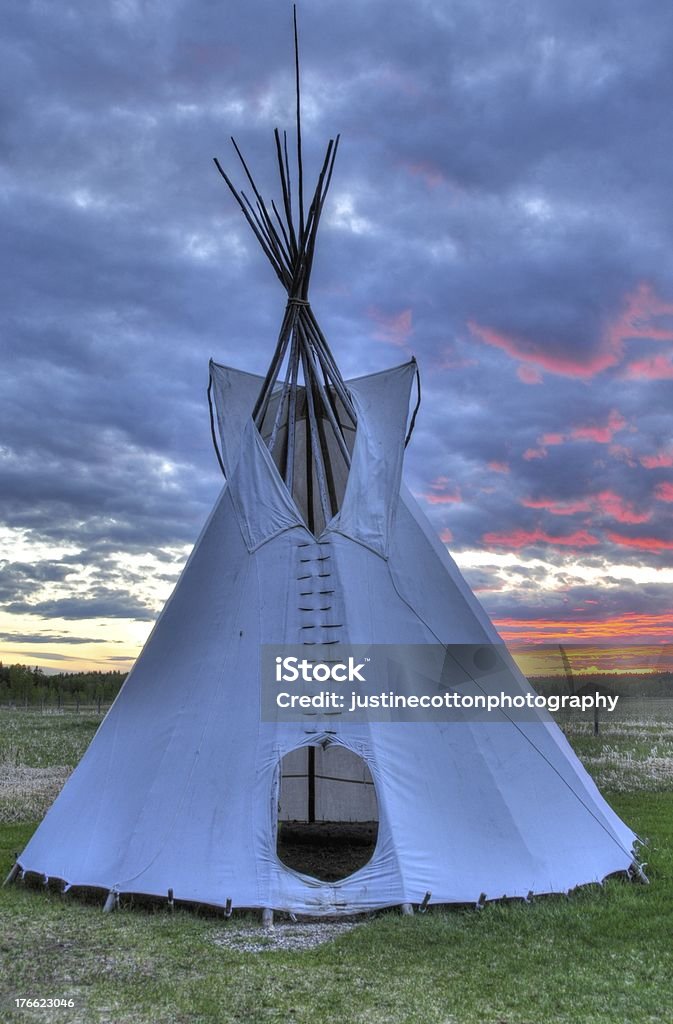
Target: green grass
point(37, 753)
point(627, 755)
point(603, 955)
point(41, 740)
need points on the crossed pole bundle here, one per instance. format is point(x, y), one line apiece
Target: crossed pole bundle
point(288, 240)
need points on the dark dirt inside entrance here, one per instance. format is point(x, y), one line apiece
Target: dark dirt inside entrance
point(327, 850)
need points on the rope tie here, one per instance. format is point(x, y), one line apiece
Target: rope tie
point(298, 302)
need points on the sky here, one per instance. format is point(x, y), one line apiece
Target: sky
point(500, 208)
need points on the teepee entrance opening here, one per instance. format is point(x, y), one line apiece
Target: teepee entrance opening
point(327, 823)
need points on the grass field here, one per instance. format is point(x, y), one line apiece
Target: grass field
point(603, 955)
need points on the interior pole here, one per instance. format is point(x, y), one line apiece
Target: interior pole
point(311, 783)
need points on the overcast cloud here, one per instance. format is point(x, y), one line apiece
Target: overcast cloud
point(500, 208)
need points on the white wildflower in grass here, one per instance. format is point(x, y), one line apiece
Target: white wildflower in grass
point(27, 793)
point(38, 751)
point(629, 754)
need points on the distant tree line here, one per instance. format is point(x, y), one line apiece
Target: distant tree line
point(22, 685)
point(636, 685)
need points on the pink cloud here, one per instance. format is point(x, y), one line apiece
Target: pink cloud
point(499, 467)
point(535, 353)
point(600, 433)
point(394, 328)
point(517, 539)
point(446, 536)
point(641, 543)
point(558, 508)
point(664, 492)
point(626, 627)
point(659, 460)
point(652, 368)
point(529, 374)
point(639, 318)
point(442, 499)
point(551, 439)
point(535, 453)
point(607, 502)
point(620, 451)
point(439, 495)
point(614, 505)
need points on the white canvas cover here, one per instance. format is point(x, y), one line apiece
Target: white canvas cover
point(179, 788)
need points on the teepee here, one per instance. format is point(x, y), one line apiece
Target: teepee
point(314, 540)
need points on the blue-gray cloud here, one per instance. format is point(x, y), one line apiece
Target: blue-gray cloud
point(52, 638)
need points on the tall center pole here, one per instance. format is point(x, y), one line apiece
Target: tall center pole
point(300, 170)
